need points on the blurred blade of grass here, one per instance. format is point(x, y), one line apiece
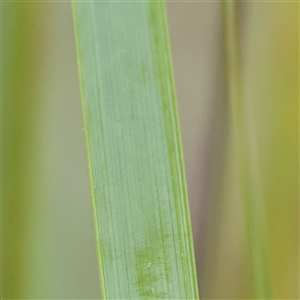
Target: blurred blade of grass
point(137, 178)
point(249, 189)
point(21, 48)
point(271, 78)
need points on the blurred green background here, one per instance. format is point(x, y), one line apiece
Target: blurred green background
point(48, 248)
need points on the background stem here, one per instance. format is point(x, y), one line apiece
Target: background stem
point(249, 191)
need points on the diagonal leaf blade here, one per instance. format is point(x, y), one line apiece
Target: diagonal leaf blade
point(138, 186)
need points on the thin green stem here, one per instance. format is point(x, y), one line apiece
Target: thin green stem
point(20, 104)
point(253, 204)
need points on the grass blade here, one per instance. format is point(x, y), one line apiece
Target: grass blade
point(254, 208)
point(21, 41)
point(133, 142)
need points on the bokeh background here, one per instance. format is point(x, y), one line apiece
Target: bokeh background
point(48, 249)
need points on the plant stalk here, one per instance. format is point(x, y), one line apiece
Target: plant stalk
point(253, 204)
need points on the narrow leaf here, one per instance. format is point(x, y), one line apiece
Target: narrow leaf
point(253, 202)
point(134, 150)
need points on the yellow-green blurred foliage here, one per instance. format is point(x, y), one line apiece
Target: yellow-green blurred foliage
point(48, 248)
point(271, 82)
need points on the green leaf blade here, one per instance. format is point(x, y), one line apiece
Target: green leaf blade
point(134, 149)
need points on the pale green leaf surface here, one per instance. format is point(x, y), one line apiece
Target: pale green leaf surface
point(136, 168)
